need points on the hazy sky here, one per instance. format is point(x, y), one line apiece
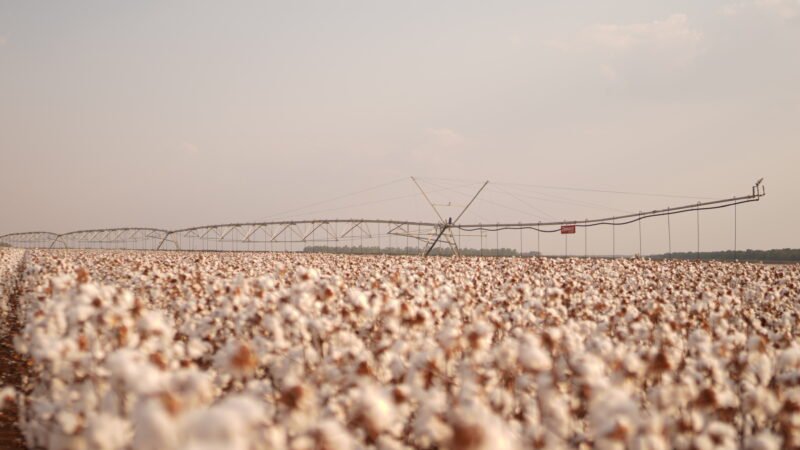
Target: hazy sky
point(173, 114)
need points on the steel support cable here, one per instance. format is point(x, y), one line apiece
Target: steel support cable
point(567, 200)
point(361, 191)
point(510, 208)
point(455, 187)
point(608, 191)
point(605, 191)
point(356, 205)
point(594, 224)
point(484, 199)
point(514, 196)
point(452, 189)
point(690, 207)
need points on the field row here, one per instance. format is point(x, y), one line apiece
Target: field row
point(301, 351)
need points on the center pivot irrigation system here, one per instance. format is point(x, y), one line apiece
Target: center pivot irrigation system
point(349, 235)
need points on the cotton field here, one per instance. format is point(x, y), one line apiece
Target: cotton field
point(171, 350)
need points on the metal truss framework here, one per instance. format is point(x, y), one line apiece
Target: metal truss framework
point(413, 237)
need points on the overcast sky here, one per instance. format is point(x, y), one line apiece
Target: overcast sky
point(173, 114)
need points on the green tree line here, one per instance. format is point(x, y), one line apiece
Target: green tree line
point(776, 255)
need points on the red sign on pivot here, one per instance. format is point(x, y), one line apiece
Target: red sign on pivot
point(567, 229)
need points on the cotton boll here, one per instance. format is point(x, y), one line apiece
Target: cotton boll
point(651, 435)
point(60, 283)
point(788, 366)
point(308, 274)
point(8, 396)
point(290, 314)
point(590, 368)
point(448, 336)
point(58, 440)
point(108, 432)
point(154, 323)
point(237, 359)
point(479, 335)
point(214, 428)
point(613, 415)
point(196, 348)
point(502, 402)
point(428, 429)
point(272, 438)
point(506, 355)
point(130, 370)
point(154, 427)
point(68, 421)
point(555, 414)
point(358, 299)
point(298, 397)
point(303, 300)
point(247, 410)
point(374, 411)
point(480, 430)
point(388, 443)
point(80, 312)
point(194, 388)
point(761, 403)
point(764, 440)
point(717, 435)
point(533, 357)
point(756, 343)
point(20, 346)
point(326, 435)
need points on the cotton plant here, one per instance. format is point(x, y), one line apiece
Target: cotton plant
point(192, 350)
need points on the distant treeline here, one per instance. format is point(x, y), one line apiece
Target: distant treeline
point(777, 255)
point(438, 251)
point(3, 244)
